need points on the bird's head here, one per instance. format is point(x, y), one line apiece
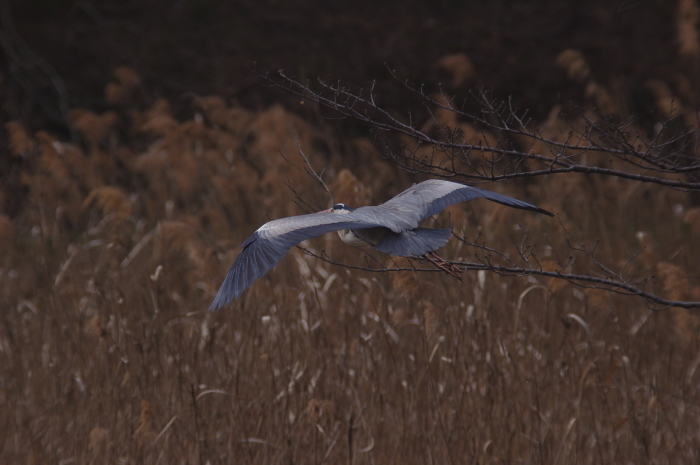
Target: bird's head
point(339, 208)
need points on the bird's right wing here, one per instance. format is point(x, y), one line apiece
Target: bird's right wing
point(266, 246)
point(428, 198)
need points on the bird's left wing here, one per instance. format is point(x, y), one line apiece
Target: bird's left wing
point(428, 198)
point(266, 246)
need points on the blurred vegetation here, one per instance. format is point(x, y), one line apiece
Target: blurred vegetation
point(118, 223)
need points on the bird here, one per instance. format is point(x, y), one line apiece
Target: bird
point(391, 227)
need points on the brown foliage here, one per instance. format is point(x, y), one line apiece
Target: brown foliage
point(688, 28)
point(144, 428)
point(7, 234)
point(349, 190)
point(667, 104)
point(674, 281)
point(122, 91)
point(692, 218)
point(578, 70)
point(317, 409)
point(21, 142)
point(127, 76)
point(459, 67)
point(675, 285)
point(93, 126)
point(98, 436)
point(110, 200)
point(414, 367)
point(431, 323)
point(575, 65)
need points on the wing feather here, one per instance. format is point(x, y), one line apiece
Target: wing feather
point(266, 246)
point(415, 242)
point(406, 210)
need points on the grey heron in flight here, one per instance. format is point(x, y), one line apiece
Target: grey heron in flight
point(391, 227)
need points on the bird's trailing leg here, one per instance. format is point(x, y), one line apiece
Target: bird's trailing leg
point(443, 264)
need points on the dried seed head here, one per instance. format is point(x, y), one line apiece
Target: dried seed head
point(317, 408)
point(94, 327)
point(459, 67)
point(20, 140)
point(692, 218)
point(687, 24)
point(97, 437)
point(109, 199)
point(348, 189)
point(674, 281)
point(145, 419)
point(575, 65)
point(432, 325)
point(127, 76)
point(554, 284)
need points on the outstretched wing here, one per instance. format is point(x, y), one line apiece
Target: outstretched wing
point(266, 246)
point(420, 201)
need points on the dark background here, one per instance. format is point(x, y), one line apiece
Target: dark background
point(209, 47)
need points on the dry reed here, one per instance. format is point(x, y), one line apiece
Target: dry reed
point(107, 353)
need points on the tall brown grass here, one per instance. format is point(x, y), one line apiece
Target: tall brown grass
point(108, 355)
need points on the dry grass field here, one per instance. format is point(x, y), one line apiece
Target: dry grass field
point(108, 355)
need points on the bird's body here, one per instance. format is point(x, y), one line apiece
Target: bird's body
point(391, 227)
point(369, 237)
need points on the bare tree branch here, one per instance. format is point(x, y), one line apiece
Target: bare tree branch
point(666, 154)
point(611, 283)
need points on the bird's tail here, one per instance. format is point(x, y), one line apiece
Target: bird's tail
point(414, 242)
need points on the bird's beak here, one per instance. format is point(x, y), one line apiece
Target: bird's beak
point(327, 211)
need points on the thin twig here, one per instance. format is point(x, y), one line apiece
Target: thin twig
point(654, 158)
